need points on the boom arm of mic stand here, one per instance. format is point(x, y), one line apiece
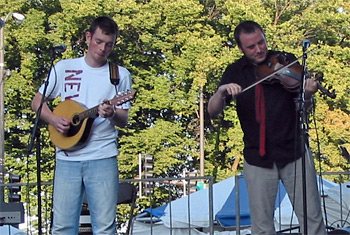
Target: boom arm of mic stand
point(38, 112)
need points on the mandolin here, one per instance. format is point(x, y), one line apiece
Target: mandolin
point(81, 121)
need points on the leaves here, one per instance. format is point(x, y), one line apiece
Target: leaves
point(173, 50)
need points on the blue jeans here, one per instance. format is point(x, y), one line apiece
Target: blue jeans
point(98, 179)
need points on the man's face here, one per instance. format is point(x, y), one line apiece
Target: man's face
point(254, 46)
point(100, 46)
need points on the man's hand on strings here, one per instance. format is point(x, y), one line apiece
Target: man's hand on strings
point(105, 110)
point(311, 87)
point(61, 124)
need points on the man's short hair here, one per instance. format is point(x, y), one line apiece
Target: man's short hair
point(246, 26)
point(106, 24)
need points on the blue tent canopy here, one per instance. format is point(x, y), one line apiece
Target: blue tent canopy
point(224, 206)
point(157, 211)
point(225, 212)
point(227, 215)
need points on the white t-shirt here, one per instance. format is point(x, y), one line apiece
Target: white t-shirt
point(75, 80)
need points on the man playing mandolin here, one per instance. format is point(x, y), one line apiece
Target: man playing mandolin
point(91, 168)
point(268, 118)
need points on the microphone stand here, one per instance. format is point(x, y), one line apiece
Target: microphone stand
point(36, 135)
point(302, 121)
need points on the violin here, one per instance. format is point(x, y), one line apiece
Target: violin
point(279, 68)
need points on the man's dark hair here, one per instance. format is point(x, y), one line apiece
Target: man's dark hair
point(106, 24)
point(247, 26)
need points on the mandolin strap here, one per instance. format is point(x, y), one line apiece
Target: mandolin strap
point(114, 73)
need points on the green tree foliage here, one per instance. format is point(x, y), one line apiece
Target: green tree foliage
point(174, 48)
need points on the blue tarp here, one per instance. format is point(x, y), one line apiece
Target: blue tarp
point(224, 195)
point(227, 215)
point(157, 211)
point(224, 206)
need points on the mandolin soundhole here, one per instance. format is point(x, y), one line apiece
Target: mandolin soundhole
point(73, 130)
point(75, 120)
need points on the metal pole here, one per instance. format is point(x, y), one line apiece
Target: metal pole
point(18, 19)
point(2, 139)
point(140, 175)
point(201, 133)
point(238, 206)
point(211, 206)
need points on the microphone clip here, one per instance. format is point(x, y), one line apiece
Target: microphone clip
point(59, 48)
point(306, 44)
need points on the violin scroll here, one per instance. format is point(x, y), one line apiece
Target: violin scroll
point(325, 91)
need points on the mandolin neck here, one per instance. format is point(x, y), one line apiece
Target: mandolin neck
point(89, 113)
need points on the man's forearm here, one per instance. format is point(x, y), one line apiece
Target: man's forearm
point(120, 117)
point(216, 104)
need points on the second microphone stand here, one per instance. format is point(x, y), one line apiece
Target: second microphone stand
point(302, 122)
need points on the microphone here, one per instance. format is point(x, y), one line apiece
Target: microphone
point(59, 48)
point(306, 44)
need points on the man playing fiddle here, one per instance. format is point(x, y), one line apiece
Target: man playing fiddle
point(269, 120)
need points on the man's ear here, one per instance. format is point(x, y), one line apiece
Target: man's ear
point(88, 37)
